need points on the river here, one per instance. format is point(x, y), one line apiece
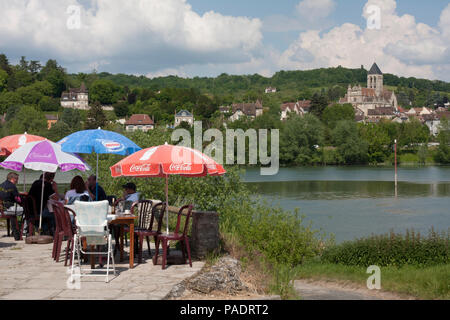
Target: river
point(353, 202)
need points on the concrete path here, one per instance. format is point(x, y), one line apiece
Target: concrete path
point(27, 271)
point(332, 291)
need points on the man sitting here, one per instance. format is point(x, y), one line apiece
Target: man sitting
point(10, 196)
point(130, 195)
point(50, 192)
point(95, 189)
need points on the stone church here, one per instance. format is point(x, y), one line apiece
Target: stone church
point(373, 97)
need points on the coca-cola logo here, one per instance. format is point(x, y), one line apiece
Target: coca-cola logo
point(140, 168)
point(180, 167)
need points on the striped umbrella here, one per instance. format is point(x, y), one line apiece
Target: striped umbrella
point(165, 160)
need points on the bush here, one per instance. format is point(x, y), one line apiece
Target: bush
point(392, 250)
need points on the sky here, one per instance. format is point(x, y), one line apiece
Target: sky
point(192, 38)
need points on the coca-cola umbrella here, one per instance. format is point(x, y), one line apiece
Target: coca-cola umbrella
point(165, 160)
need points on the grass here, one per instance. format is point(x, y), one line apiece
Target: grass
point(421, 282)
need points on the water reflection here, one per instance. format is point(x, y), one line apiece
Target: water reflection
point(333, 190)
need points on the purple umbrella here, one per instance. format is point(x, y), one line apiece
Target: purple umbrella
point(43, 156)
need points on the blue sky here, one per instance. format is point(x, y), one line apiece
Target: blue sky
point(207, 37)
point(346, 11)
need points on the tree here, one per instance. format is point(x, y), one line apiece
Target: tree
point(318, 104)
point(3, 80)
point(121, 109)
point(28, 119)
point(95, 117)
point(350, 147)
point(102, 91)
point(58, 131)
point(49, 104)
point(337, 112)
point(300, 139)
point(379, 143)
point(72, 118)
point(413, 133)
point(9, 99)
point(443, 151)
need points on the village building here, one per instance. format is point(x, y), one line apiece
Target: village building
point(51, 120)
point(224, 109)
point(251, 110)
point(184, 116)
point(76, 98)
point(270, 90)
point(372, 97)
point(433, 121)
point(140, 122)
point(300, 108)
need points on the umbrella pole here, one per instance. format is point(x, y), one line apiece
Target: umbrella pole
point(42, 202)
point(96, 182)
point(167, 203)
point(24, 179)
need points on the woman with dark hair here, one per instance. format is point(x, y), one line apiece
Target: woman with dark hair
point(78, 191)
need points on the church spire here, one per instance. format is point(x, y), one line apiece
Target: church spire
point(375, 69)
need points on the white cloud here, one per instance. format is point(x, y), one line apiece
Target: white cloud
point(315, 9)
point(401, 46)
point(149, 34)
point(307, 14)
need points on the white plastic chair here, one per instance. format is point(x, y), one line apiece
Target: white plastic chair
point(92, 223)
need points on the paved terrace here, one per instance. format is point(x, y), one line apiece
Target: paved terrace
point(27, 271)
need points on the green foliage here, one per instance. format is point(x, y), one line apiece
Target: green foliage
point(443, 151)
point(350, 147)
point(3, 80)
point(392, 250)
point(27, 119)
point(103, 91)
point(58, 131)
point(337, 112)
point(72, 118)
point(95, 118)
point(299, 140)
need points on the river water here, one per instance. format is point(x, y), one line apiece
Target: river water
point(353, 202)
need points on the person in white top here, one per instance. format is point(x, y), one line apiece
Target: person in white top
point(78, 191)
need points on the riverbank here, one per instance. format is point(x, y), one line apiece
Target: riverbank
point(407, 281)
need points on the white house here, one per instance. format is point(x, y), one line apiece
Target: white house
point(139, 122)
point(76, 98)
point(251, 110)
point(183, 116)
point(270, 90)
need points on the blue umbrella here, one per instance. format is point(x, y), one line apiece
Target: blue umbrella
point(98, 141)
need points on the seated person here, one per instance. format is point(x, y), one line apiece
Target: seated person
point(78, 191)
point(94, 187)
point(130, 195)
point(50, 192)
point(9, 195)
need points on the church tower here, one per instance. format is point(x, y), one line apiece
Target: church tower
point(375, 79)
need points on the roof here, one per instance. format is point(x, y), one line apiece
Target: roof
point(249, 109)
point(381, 111)
point(375, 70)
point(289, 105)
point(139, 119)
point(304, 104)
point(183, 113)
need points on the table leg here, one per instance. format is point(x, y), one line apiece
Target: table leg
point(131, 245)
point(92, 258)
point(121, 243)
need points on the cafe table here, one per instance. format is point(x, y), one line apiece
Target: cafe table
point(121, 220)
